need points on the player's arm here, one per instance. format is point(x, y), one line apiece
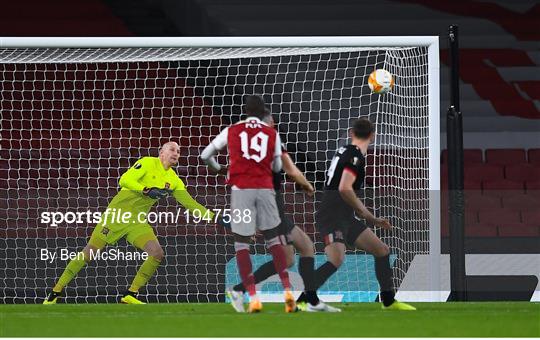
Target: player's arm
point(130, 180)
point(349, 196)
point(295, 174)
point(277, 164)
point(212, 149)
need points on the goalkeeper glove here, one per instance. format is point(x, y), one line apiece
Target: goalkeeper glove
point(156, 193)
point(220, 222)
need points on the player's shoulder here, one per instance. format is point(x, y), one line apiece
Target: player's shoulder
point(352, 152)
point(147, 161)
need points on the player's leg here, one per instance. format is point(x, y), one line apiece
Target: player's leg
point(306, 263)
point(371, 243)
point(335, 254)
point(241, 202)
point(268, 221)
point(268, 269)
point(97, 241)
point(144, 238)
point(275, 246)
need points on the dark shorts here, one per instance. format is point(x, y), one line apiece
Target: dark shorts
point(286, 225)
point(345, 229)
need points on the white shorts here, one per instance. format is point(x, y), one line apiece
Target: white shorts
point(261, 206)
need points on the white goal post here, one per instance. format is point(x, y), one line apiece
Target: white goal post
point(76, 112)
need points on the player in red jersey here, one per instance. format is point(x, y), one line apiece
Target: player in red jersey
point(254, 150)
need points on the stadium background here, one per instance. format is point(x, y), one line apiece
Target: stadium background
point(500, 102)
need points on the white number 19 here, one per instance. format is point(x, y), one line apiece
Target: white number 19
point(258, 143)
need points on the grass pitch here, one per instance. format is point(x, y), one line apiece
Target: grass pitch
point(496, 319)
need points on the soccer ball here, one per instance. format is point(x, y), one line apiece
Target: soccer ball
point(380, 81)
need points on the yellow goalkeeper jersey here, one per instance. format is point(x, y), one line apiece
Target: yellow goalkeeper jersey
point(148, 172)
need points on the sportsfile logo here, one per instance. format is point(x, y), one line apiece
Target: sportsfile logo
point(116, 216)
point(106, 255)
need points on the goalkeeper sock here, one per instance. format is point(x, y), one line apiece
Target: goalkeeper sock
point(384, 276)
point(72, 269)
point(243, 262)
point(307, 272)
point(147, 269)
point(280, 264)
point(323, 273)
point(261, 274)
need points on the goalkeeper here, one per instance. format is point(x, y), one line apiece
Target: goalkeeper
point(147, 181)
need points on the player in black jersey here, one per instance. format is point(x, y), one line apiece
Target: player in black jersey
point(341, 214)
point(292, 237)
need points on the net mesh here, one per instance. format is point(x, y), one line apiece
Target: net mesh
point(73, 120)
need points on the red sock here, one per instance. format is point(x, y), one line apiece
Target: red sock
point(244, 267)
point(280, 263)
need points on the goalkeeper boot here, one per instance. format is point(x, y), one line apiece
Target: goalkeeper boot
point(396, 305)
point(130, 298)
point(290, 302)
point(255, 305)
point(52, 298)
point(237, 300)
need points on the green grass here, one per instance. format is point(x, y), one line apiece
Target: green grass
point(191, 320)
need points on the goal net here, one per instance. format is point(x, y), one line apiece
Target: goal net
point(73, 119)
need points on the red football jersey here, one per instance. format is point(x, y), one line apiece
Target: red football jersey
point(252, 146)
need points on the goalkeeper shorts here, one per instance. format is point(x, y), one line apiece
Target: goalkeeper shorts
point(135, 234)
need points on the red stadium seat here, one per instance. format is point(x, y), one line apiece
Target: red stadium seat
point(533, 185)
point(522, 172)
point(533, 188)
point(472, 185)
point(499, 217)
point(502, 184)
point(505, 156)
point(470, 156)
point(519, 230)
point(520, 202)
point(475, 201)
point(483, 172)
point(534, 156)
point(481, 230)
point(531, 217)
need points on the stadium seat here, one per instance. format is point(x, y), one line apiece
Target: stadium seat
point(483, 172)
point(520, 202)
point(502, 184)
point(505, 156)
point(499, 217)
point(475, 201)
point(519, 229)
point(481, 230)
point(470, 156)
point(522, 172)
point(534, 156)
point(531, 217)
point(533, 188)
